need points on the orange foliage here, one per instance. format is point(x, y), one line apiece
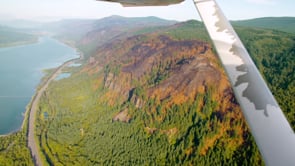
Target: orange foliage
point(179, 98)
point(189, 151)
point(110, 97)
point(97, 83)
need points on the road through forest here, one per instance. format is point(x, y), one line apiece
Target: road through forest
point(32, 143)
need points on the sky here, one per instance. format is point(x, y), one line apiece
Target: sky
point(47, 10)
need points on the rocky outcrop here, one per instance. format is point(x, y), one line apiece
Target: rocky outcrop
point(122, 116)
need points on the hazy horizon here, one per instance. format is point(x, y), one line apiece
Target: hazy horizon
point(8, 22)
point(90, 9)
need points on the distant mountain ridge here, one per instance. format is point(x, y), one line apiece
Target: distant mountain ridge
point(285, 24)
point(89, 34)
point(20, 23)
point(103, 23)
point(12, 36)
point(150, 21)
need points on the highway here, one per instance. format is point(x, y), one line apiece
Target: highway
point(32, 142)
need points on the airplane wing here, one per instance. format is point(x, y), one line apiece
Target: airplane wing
point(271, 130)
point(129, 3)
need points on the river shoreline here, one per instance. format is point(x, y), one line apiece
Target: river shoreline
point(31, 114)
point(43, 81)
point(32, 143)
point(19, 44)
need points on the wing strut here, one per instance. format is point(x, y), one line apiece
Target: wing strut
point(271, 130)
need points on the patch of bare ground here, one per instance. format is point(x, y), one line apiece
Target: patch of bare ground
point(122, 116)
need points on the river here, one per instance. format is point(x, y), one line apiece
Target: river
point(20, 73)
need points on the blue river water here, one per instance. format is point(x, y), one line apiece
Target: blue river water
point(62, 76)
point(20, 73)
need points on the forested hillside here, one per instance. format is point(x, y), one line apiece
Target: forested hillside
point(285, 24)
point(147, 99)
point(12, 37)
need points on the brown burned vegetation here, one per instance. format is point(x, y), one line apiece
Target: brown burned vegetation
point(152, 99)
